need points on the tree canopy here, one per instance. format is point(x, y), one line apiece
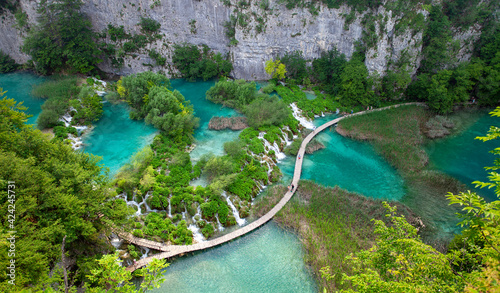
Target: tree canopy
point(58, 193)
point(63, 39)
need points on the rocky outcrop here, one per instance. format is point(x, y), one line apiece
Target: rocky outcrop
point(313, 146)
point(265, 34)
point(233, 123)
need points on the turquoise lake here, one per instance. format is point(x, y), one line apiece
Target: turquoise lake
point(18, 87)
point(464, 157)
point(269, 259)
point(116, 137)
point(350, 164)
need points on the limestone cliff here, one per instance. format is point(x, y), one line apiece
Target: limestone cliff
point(263, 34)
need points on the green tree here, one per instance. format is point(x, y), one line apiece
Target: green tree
point(295, 65)
point(7, 64)
point(193, 63)
point(399, 262)
point(62, 39)
point(110, 276)
point(328, 68)
point(275, 69)
point(355, 86)
point(266, 111)
point(58, 193)
point(436, 42)
point(134, 88)
point(235, 94)
point(481, 220)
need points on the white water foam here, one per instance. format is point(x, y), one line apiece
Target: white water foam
point(297, 114)
point(279, 155)
point(197, 235)
point(236, 214)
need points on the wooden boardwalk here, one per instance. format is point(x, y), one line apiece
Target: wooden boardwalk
point(173, 250)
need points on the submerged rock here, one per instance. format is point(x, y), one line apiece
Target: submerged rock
point(313, 146)
point(233, 123)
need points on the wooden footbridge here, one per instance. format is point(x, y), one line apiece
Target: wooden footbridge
point(168, 251)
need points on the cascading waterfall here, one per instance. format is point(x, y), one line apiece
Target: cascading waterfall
point(219, 225)
point(297, 114)
point(145, 253)
point(197, 235)
point(236, 214)
point(131, 203)
point(274, 147)
point(116, 241)
point(169, 209)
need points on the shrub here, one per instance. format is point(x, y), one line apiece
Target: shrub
point(193, 63)
point(208, 230)
point(138, 233)
point(149, 25)
point(161, 61)
point(295, 65)
point(266, 112)
point(7, 64)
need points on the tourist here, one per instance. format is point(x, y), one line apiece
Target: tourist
point(293, 187)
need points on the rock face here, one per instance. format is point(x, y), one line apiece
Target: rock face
point(233, 123)
point(264, 34)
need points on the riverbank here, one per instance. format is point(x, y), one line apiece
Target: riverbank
point(331, 223)
point(399, 135)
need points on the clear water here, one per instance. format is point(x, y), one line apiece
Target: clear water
point(116, 137)
point(18, 87)
point(269, 259)
point(350, 164)
point(207, 141)
point(464, 157)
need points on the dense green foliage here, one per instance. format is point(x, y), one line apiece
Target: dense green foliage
point(149, 26)
point(55, 192)
point(116, 43)
point(193, 63)
point(234, 94)
point(7, 64)
point(151, 99)
point(266, 111)
point(63, 39)
point(110, 274)
point(61, 93)
point(327, 70)
point(400, 262)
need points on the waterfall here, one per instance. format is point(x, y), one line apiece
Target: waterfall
point(116, 241)
point(145, 204)
point(239, 220)
point(219, 225)
point(297, 114)
point(169, 209)
point(274, 147)
point(197, 235)
point(131, 203)
point(146, 252)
